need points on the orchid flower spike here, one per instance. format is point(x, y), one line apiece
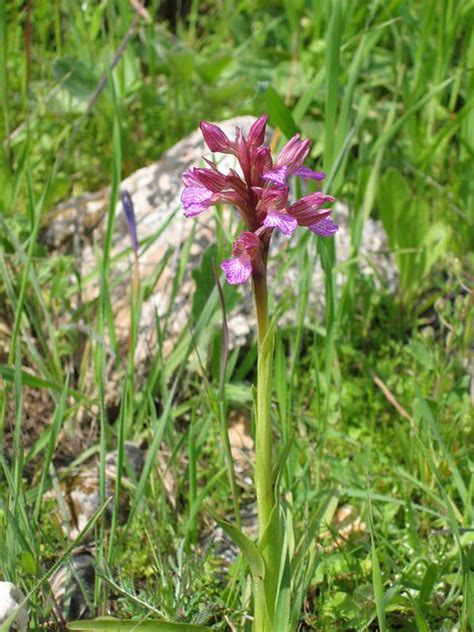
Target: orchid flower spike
point(260, 193)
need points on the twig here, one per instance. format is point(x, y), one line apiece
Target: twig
point(461, 530)
point(391, 398)
point(115, 60)
point(141, 11)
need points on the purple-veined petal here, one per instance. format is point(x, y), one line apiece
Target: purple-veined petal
point(257, 131)
point(282, 221)
point(310, 217)
point(306, 172)
point(294, 153)
point(195, 209)
point(288, 149)
point(246, 242)
point(261, 161)
point(272, 198)
point(211, 179)
point(277, 175)
point(196, 200)
point(195, 195)
point(214, 137)
point(243, 155)
point(310, 202)
point(189, 178)
point(325, 227)
point(237, 269)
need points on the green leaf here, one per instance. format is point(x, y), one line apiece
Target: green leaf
point(322, 516)
point(76, 77)
point(431, 576)
point(377, 580)
point(422, 354)
point(205, 282)
point(423, 410)
point(387, 136)
point(332, 62)
point(211, 69)
point(182, 62)
point(248, 548)
point(282, 460)
point(392, 197)
point(435, 244)
point(274, 549)
point(280, 115)
point(378, 589)
point(116, 625)
point(283, 599)
point(28, 379)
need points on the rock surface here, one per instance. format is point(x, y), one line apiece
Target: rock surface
point(73, 586)
point(10, 598)
point(80, 489)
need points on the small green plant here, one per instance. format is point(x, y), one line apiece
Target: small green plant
point(260, 195)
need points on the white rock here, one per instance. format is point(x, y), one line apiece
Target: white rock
point(10, 599)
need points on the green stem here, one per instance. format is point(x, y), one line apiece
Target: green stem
point(264, 592)
point(263, 466)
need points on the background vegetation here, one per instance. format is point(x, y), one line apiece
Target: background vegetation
point(379, 393)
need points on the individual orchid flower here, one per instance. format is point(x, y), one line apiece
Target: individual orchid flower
point(290, 162)
point(305, 212)
point(259, 192)
point(245, 250)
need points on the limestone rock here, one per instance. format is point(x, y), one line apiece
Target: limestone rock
point(10, 598)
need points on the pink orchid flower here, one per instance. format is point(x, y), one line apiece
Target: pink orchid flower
point(260, 193)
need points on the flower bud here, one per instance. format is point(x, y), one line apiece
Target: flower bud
point(214, 137)
point(130, 217)
point(257, 131)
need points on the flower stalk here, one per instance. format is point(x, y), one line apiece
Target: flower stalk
point(263, 454)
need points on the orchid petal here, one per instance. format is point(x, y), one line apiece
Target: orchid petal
point(237, 270)
point(277, 175)
point(282, 221)
point(306, 172)
point(196, 200)
point(273, 199)
point(310, 202)
point(257, 131)
point(325, 227)
point(214, 137)
point(294, 153)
